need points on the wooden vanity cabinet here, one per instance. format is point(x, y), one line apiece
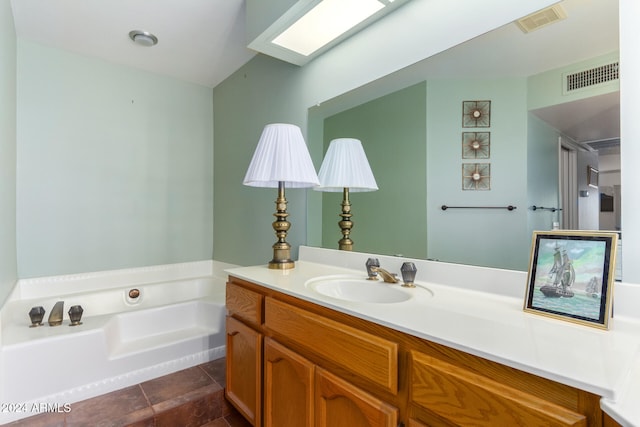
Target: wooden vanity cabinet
point(325, 368)
point(295, 386)
point(244, 352)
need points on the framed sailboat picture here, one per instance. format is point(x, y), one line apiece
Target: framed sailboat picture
point(571, 275)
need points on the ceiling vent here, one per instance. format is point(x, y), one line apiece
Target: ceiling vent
point(542, 18)
point(604, 144)
point(591, 77)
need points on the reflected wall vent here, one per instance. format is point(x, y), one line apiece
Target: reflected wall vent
point(542, 18)
point(591, 77)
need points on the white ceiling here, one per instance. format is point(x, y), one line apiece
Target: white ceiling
point(200, 41)
point(203, 41)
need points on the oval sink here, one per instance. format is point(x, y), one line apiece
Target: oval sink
point(359, 290)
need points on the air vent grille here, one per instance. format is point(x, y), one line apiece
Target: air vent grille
point(604, 144)
point(541, 18)
point(592, 76)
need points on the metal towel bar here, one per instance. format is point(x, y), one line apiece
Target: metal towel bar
point(542, 208)
point(509, 208)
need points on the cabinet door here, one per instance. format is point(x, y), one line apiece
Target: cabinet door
point(244, 369)
point(340, 404)
point(288, 387)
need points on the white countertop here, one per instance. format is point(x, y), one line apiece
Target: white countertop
point(489, 324)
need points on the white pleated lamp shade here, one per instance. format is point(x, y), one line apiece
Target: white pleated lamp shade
point(346, 166)
point(281, 156)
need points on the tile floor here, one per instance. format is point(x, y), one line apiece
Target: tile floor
point(193, 397)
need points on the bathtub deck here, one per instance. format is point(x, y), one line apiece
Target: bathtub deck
point(191, 397)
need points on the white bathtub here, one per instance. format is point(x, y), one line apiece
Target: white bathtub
point(176, 322)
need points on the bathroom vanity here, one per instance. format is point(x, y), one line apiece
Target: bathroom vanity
point(444, 356)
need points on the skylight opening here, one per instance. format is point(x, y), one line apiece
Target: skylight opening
point(327, 21)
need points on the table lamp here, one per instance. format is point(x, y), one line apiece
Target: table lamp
point(281, 160)
point(345, 168)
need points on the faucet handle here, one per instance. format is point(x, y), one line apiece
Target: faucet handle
point(372, 264)
point(408, 271)
point(75, 314)
point(36, 314)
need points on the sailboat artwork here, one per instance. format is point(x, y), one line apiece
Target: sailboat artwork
point(571, 274)
point(562, 276)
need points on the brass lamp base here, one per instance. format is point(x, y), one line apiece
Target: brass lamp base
point(281, 249)
point(281, 253)
point(345, 244)
point(281, 264)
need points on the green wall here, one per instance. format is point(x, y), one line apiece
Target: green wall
point(392, 130)
point(8, 262)
point(243, 104)
point(490, 237)
point(115, 166)
point(413, 138)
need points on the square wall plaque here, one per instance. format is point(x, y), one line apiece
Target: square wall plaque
point(476, 176)
point(476, 145)
point(476, 114)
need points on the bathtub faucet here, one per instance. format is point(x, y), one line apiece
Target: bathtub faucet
point(55, 317)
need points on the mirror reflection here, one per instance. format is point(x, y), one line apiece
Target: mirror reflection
point(549, 138)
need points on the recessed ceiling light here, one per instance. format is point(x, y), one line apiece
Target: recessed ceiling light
point(143, 38)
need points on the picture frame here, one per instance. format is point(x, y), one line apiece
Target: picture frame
point(571, 276)
point(592, 177)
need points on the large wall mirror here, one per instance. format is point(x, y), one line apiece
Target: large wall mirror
point(544, 145)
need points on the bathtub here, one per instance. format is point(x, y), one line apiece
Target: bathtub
point(175, 322)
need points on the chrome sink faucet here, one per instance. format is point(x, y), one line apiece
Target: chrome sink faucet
point(408, 270)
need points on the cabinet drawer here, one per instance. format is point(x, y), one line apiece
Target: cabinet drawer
point(364, 354)
point(244, 303)
point(466, 398)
